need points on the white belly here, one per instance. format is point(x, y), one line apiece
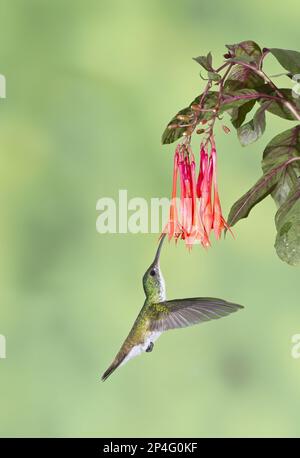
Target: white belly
point(151, 338)
point(141, 348)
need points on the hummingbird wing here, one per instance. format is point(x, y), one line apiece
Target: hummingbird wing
point(180, 313)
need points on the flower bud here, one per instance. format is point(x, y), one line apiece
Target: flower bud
point(226, 129)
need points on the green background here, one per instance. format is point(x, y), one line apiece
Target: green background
point(90, 87)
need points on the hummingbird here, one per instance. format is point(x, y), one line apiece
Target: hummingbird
point(159, 315)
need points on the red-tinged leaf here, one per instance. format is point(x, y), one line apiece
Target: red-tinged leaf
point(262, 188)
point(287, 221)
point(282, 148)
point(252, 130)
point(235, 99)
point(246, 50)
point(285, 148)
point(279, 109)
point(242, 77)
point(238, 114)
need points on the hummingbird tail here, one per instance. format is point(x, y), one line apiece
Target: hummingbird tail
point(126, 353)
point(114, 365)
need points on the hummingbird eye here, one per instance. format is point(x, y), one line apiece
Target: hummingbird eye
point(152, 272)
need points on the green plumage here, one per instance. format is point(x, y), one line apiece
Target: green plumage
point(158, 315)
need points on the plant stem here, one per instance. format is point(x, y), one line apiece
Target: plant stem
point(218, 106)
point(208, 86)
point(265, 77)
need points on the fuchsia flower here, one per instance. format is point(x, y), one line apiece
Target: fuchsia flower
point(219, 223)
point(173, 227)
point(200, 209)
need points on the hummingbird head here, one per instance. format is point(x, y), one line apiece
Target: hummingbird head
point(153, 281)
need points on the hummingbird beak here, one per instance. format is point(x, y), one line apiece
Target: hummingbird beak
point(156, 259)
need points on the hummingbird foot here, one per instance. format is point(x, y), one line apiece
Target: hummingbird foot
point(150, 347)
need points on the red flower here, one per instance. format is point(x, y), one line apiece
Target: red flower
point(198, 216)
point(173, 228)
point(219, 223)
point(206, 213)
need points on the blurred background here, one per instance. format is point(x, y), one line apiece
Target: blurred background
point(90, 87)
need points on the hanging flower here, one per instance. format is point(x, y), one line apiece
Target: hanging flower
point(219, 223)
point(200, 208)
point(173, 227)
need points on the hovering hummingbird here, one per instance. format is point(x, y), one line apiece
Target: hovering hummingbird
point(158, 315)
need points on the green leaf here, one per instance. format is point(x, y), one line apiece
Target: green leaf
point(282, 148)
point(178, 127)
point(254, 129)
point(214, 76)
point(281, 169)
point(260, 118)
point(279, 109)
point(287, 220)
point(238, 114)
point(173, 130)
point(290, 60)
point(262, 188)
point(285, 149)
point(247, 133)
point(205, 62)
